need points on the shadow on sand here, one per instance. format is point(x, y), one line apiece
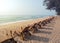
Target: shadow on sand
point(47, 28)
point(44, 32)
point(38, 38)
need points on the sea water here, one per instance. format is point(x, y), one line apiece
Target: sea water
point(14, 18)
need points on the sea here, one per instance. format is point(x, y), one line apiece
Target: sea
point(14, 18)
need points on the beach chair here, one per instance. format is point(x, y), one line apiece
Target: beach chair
point(33, 28)
point(25, 33)
point(39, 24)
point(9, 41)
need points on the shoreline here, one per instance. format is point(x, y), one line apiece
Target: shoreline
point(20, 21)
point(12, 22)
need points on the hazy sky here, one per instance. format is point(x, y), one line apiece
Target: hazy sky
point(21, 7)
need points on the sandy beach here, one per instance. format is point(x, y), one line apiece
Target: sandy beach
point(48, 34)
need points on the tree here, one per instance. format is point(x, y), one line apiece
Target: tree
point(53, 5)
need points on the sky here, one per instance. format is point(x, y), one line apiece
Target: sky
point(22, 7)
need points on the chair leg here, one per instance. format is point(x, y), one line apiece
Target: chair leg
point(22, 36)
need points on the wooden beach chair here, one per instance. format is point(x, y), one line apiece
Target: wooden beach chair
point(25, 33)
point(7, 32)
point(33, 28)
point(9, 41)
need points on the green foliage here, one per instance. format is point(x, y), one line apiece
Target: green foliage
point(53, 5)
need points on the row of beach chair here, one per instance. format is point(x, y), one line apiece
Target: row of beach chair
point(26, 31)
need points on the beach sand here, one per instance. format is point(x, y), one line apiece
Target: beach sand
point(48, 34)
